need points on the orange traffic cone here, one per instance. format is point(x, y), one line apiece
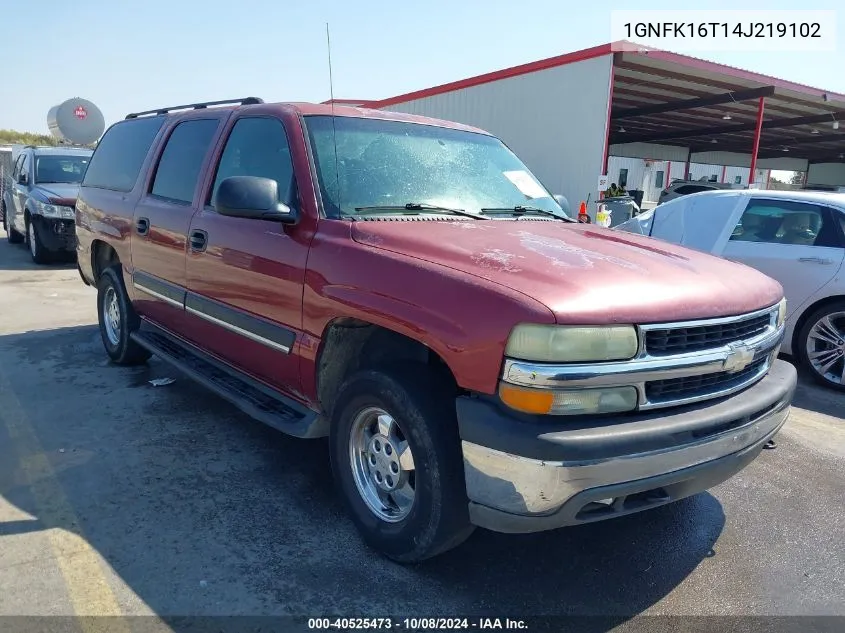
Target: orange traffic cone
point(582, 213)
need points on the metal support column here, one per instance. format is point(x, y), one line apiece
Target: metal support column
point(752, 178)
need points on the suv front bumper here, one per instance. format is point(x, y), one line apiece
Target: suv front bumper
point(56, 234)
point(526, 474)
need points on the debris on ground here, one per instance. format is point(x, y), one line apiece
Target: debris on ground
point(161, 382)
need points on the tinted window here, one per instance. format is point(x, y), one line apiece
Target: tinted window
point(181, 160)
point(60, 169)
point(658, 179)
point(17, 168)
point(25, 166)
point(623, 177)
point(257, 147)
point(786, 222)
point(688, 189)
point(117, 160)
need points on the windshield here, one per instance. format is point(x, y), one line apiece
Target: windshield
point(60, 169)
point(389, 164)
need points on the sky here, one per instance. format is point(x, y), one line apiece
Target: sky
point(129, 56)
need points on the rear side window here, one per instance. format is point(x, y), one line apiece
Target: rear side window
point(117, 160)
point(182, 158)
point(786, 222)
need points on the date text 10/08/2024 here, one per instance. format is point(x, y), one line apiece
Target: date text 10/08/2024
point(416, 624)
point(723, 29)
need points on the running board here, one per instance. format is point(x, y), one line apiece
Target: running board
point(250, 396)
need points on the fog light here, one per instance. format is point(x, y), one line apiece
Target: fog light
point(568, 402)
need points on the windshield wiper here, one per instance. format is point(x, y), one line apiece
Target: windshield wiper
point(520, 209)
point(420, 206)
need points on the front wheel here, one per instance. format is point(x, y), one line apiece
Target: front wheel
point(118, 319)
point(40, 255)
point(821, 345)
point(397, 462)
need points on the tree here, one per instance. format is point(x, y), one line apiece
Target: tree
point(797, 178)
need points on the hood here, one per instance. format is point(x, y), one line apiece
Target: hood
point(64, 192)
point(583, 274)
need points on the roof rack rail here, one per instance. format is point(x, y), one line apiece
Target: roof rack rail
point(197, 106)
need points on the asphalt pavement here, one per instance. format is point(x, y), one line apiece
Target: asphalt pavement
point(121, 498)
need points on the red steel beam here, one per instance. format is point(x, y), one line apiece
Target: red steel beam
point(760, 108)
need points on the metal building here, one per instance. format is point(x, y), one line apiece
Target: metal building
point(566, 116)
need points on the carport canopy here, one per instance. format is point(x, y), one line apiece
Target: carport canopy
point(663, 103)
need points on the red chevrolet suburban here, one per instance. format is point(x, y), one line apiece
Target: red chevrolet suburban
point(407, 288)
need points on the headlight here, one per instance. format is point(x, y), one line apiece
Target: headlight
point(55, 211)
point(572, 344)
point(781, 312)
point(569, 401)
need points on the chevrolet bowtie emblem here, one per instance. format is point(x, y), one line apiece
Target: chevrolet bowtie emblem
point(738, 358)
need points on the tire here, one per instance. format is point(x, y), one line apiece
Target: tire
point(834, 343)
point(40, 255)
point(12, 236)
point(422, 408)
point(111, 296)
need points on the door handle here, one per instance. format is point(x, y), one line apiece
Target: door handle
point(142, 225)
point(815, 260)
point(198, 241)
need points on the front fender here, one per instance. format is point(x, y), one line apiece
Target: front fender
point(466, 320)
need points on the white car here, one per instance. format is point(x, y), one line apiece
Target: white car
point(795, 237)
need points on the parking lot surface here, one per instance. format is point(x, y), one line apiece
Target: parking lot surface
point(119, 497)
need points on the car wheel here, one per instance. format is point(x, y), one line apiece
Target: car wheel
point(396, 459)
point(118, 319)
point(40, 255)
point(12, 236)
point(821, 345)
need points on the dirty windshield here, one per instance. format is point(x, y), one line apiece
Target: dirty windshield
point(386, 165)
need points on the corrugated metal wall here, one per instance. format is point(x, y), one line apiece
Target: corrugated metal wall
point(554, 119)
point(785, 163)
point(826, 174)
point(650, 150)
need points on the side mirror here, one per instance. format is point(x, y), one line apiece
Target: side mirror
point(23, 179)
point(563, 203)
point(252, 198)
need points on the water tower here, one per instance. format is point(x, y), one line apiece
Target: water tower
point(76, 121)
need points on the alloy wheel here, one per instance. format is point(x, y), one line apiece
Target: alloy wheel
point(382, 465)
point(826, 347)
point(33, 247)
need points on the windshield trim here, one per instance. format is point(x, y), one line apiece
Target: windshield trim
point(322, 211)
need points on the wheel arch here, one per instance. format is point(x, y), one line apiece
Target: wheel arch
point(350, 344)
point(805, 315)
point(103, 256)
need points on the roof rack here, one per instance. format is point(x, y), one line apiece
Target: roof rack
point(197, 106)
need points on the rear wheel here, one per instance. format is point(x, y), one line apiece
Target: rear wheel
point(397, 462)
point(821, 345)
point(12, 236)
point(40, 255)
point(118, 319)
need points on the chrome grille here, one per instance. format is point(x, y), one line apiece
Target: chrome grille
point(693, 386)
point(680, 340)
